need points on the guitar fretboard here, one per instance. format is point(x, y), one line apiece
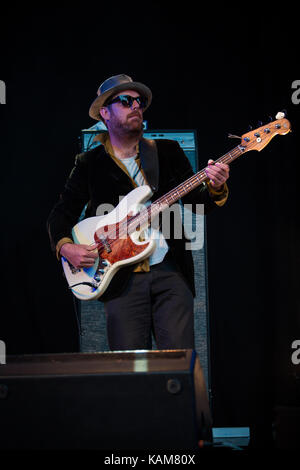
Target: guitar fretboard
point(177, 193)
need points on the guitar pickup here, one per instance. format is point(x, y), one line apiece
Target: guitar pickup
point(105, 243)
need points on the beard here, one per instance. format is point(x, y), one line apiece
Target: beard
point(132, 128)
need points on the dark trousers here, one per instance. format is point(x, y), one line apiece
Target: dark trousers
point(158, 302)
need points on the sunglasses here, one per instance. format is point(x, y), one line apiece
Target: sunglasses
point(127, 101)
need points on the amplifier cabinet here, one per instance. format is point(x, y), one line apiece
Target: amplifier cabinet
point(111, 400)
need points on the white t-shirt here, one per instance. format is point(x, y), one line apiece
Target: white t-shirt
point(153, 233)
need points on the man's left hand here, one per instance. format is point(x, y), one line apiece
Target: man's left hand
point(218, 174)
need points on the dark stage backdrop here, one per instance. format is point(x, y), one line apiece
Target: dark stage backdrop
point(214, 73)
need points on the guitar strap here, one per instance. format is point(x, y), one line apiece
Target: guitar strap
point(149, 161)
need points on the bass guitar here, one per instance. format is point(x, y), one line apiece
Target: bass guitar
point(117, 235)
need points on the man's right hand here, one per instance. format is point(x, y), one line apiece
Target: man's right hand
point(80, 256)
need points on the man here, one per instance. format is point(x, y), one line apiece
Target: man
point(155, 295)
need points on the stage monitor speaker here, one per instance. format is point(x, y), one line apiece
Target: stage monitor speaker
point(104, 401)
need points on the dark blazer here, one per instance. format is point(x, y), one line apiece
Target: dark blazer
point(97, 179)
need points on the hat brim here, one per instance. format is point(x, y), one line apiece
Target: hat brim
point(94, 111)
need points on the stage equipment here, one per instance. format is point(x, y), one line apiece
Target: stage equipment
point(112, 400)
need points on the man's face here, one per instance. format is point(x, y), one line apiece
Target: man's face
point(124, 120)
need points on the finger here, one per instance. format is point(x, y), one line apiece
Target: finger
point(217, 172)
point(212, 174)
point(89, 250)
point(216, 179)
point(92, 247)
point(216, 182)
point(92, 250)
point(223, 166)
point(219, 167)
point(87, 263)
point(208, 173)
point(216, 166)
point(90, 262)
point(91, 256)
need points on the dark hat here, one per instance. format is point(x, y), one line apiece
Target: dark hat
point(111, 87)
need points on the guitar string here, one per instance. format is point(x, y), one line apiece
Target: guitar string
point(193, 181)
point(226, 158)
point(197, 178)
point(143, 216)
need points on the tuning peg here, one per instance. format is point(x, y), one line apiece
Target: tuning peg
point(250, 127)
point(270, 118)
point(280, 115)
point(259, 123)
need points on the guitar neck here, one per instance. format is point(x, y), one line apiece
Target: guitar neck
point(197, 179)
point(143, 218)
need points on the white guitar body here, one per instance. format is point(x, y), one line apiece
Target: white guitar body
point(118, 249)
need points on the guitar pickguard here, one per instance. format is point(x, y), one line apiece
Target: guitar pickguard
point(116, 249)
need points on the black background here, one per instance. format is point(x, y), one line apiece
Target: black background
point(213, 71)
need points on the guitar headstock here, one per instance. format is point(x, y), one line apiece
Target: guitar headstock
point(258, 138)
